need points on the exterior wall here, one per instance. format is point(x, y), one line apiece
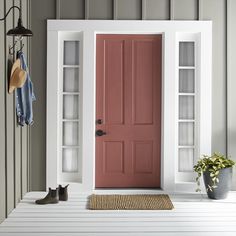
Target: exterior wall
point(14, 140)
point(221, 12)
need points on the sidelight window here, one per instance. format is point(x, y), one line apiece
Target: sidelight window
point(70, 162)
point(187, 104)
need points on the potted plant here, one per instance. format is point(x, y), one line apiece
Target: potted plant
point(217, 175)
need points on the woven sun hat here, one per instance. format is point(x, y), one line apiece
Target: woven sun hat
point(17, 78)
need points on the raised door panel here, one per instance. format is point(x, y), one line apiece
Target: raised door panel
point(142, 99)
point(113, 155)
point(113, 81)
point(143, 157)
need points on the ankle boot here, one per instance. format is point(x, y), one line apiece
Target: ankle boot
point(63, 193)
point(51, 197)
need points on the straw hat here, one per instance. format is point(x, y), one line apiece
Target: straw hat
point(18, 76)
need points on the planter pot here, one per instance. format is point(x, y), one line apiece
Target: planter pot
point(224, 185)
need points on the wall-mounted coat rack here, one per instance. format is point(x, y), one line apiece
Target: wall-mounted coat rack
point(13, 49)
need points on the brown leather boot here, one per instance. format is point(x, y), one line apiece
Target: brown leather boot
point(51, 198)
point(63, 193)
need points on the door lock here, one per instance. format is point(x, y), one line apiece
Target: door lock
point(99, 121)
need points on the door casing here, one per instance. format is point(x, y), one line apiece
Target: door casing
point(88, 30)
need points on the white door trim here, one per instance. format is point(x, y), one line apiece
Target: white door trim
point(89, 29)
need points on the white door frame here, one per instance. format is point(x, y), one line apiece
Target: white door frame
point(169, 31)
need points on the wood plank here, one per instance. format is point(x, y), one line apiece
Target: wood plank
point(216, 11)
point(10, 112)
point(88, 214)
point(2, 119)
point(200, 9)
point(129, 10)
point(171, 2)
point(40, 10)
point(28, 140)
point(81, 208)
point(24, 173)
point(113, 229)
point(231, 83)
point(116, 223)
point(101, 9)
point(86, 9)
point(17, 136)
point(58, 9)
point(29, 207)
point(157, 10)
point(83, 205)
point(71, 9)
point(115, 9)
point(185, 9)
point(174, 196)
point(24, 138)
point(143, 7)
point(123, 234)
point(215, 220)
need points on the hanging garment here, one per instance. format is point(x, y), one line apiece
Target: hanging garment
point(24, 97)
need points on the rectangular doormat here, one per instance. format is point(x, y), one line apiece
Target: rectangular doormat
point(130, 202)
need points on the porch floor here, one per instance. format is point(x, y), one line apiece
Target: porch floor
point(192, 215)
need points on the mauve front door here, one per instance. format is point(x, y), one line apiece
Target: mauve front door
point(128, 110)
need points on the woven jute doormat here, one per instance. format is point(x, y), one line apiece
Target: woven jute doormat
point(130, 202)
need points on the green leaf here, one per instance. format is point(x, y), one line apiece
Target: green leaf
point(212, 174)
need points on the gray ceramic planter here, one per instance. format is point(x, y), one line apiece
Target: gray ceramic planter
point(223, 187)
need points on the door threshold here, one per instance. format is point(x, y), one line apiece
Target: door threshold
point(128, 191)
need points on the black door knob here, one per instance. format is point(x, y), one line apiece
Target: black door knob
point(100, 132)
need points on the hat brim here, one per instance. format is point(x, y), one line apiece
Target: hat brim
point(11, 89)
point(15, 65)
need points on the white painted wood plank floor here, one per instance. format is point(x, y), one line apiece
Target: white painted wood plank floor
point(192, 216)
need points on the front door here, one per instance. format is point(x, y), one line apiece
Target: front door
point(128, 110)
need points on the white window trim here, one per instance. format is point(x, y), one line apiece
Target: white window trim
point(89, 29)
point(186, 37)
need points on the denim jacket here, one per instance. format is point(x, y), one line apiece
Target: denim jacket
point(24, 97)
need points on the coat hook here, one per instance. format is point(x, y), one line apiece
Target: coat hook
point(12, 48)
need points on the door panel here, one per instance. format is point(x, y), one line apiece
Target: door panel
point(143, 157)
point(114, 95)
point(142, 82)
point(113, 157)
point(128, 102)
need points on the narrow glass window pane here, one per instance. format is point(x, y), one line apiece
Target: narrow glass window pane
point(186, 133)
point(71, 52)
point(186, 81)
point(71, 80)
point(70, 106)
point(186, 53)
point(186, 107)
point(186, 157)
point(70, 134)
point(70, 160)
